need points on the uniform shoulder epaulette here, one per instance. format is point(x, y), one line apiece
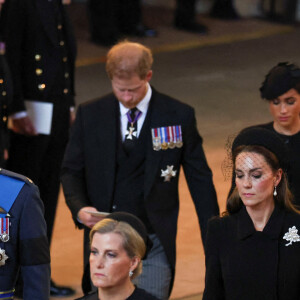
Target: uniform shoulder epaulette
point(15, 175)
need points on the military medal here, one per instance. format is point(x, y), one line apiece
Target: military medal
point(168, 173)
point(156, 139)
point(171, 137)
point(2, 48)
point(3, 257)
point(4, 229)
point(164, 144)
point(132, 132)
point(179, 142)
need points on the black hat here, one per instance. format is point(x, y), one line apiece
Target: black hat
point(279, 80)
point(136, 224)
point(266, 138)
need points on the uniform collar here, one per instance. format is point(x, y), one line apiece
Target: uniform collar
point(272, 229)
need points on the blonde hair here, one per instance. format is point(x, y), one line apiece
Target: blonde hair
point(127, 59)
point(132, 242)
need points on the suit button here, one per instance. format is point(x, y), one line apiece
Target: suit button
point(59, 27)
point(114, 207)
point(41, 86)
point(38, 72)
point(66, 75)
point(66, 91)
point(65, 59)
point(1, 81)
point(4, 119)
point(4, 93)
point(38, 57)
point(61, 43)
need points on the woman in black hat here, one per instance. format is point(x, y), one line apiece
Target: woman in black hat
point(118, 244)
point(253, 251)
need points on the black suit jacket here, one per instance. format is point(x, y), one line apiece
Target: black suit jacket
point(89, 166)
point(242, 263)
point(32, 30)
point(27, 248)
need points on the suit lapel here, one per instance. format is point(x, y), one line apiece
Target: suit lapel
point(45, 10)
point(107, 136)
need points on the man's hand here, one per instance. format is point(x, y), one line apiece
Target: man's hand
point(87, 219)
point(24, 126)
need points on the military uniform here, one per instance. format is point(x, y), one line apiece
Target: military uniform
point(41, 52)
point(23, 239)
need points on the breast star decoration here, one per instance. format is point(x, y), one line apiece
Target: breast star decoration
point(130, 133)
point(292, 236)
point(168, 173)
point(3, 257)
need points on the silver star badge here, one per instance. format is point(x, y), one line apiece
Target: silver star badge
point(3, 257)
point(168, 173)
point(292, 236)
point(130, 133)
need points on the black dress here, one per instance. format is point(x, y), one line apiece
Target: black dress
point(138, 294)
point(242, 263)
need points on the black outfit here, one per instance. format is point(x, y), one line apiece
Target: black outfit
point(111, 19)
point(242, 263)
point(138, 294)
point(41, 54)
point(27, 248)
point(224, 9)
point(97, 172)
point(293, 146)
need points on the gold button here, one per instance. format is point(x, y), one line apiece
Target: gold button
point(38, 57)
point(3, 93)
point(38, 72)
point(4, 106)
point(65, 59)
point(61, 43)
point(59, 26)
point(66, 75)
point(41, 86)
point(4, 119)
point(1, 81)
point(66, 91)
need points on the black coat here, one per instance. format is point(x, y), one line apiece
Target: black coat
point(242, 263)
point(33, 51)
point(89, 166)
point(27, 248)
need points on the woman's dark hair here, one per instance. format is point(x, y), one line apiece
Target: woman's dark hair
point(284, 196)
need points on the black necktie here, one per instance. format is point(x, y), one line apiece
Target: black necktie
point(131, 132)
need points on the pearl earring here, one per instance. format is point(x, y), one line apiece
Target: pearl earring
point(275, 191)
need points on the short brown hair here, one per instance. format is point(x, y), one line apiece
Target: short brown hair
point(133, 243)
point(126, 59)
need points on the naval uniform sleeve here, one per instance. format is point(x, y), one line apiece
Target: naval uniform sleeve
point(73, 170)
point(34, 248)
point(198, 174)
point(214, 286)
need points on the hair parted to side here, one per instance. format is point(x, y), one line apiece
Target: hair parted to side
point(126, 59)
point(133, 243)
point(284, 196)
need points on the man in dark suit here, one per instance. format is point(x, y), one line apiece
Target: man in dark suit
point(125, 154)
point(23, 240)
point(41, 54)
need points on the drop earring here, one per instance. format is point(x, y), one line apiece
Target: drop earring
point(130, 273)
point(275, 191)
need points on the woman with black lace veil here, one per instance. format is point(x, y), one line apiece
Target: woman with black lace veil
point(253, 250)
